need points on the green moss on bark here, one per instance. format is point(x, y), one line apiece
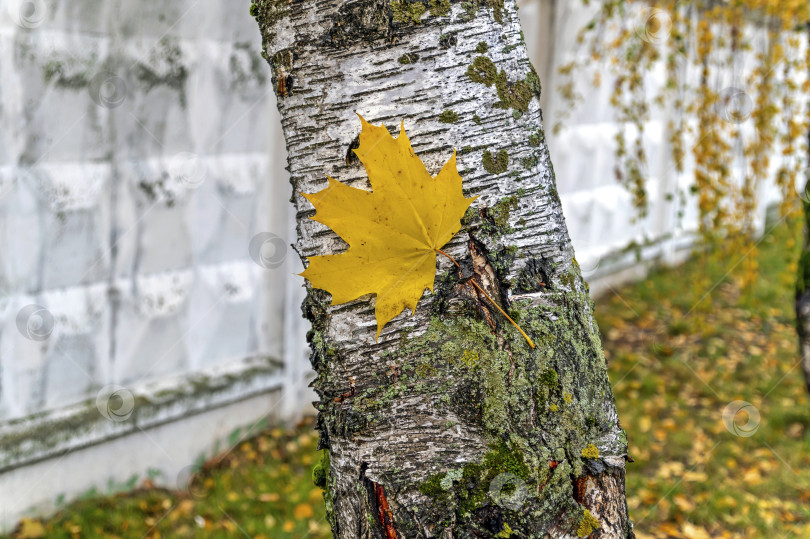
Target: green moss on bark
point(536, 139)
point(505, 532)
point(468, 488)
point(590, 451)
point(408, 58)
point(497, 9)
point(495, 164)
point(439, 8)
point(320, 473)
point(448, 117)
point(549, 378)
point(529, 162)
point(407, 12)
point(515, 95)
point(587, 525)
point(483, 71)
point(500, 212)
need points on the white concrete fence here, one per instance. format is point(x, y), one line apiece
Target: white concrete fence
point(149, 307)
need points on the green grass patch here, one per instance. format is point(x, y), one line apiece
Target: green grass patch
point(261, 489)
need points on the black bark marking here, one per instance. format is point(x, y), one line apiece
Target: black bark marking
point(533, 277)
point(351, 156)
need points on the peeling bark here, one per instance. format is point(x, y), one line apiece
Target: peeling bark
point(450, 425)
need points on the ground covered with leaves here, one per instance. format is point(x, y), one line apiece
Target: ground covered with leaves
point(261, 489)
point(682, 345)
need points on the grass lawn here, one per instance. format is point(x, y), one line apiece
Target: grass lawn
point(262, 489)
point(681, 345)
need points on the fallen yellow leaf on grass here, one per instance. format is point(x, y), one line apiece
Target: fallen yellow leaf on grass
point(752, 476)
point(393, 231)
point(644, 424)
point(691, 531)
point(185, 507)
point(30, 529)
point(669, 529)
point(683, 503)
point(302, 511)
point(699, 477)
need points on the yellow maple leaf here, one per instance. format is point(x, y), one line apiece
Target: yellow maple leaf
point(393, 231)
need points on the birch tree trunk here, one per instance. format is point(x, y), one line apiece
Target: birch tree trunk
point(803, 291)
point(450, 425)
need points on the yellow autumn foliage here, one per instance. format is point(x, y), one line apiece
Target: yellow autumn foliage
point(760, 119)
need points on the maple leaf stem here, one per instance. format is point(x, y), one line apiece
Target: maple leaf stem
point(492, 301)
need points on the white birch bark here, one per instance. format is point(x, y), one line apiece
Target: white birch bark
point(425, 426)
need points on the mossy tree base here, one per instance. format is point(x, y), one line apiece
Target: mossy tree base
point(451, 425)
